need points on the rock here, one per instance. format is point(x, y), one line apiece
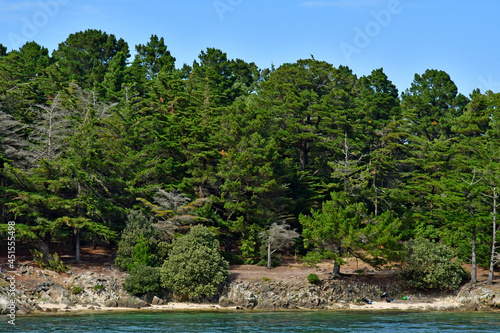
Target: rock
point(111, 304)
point(157, 301)
point(4, 302)
point(58, 293)
point(131, 302)
point(148, 298)
point(224, 301)
point(251, 302)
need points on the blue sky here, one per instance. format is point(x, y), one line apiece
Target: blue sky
point(402, 36)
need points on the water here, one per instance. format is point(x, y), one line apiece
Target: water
point(207, 322)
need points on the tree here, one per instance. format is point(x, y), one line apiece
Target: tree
point(494, 252)
point(51, 131)
point(173, 209)
point(194, 269)
point(465, 179)
point(252, 186)
point(85, 56)
point(140, 244)
point(153, 58)
point(431, 104)
point(343, 226)
point(278, 237)
point(429, 265)
point(13, 143)
point(378, 103)
point(79, 224)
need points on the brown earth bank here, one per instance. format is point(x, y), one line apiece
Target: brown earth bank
point(95, 284)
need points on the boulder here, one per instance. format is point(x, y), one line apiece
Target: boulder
point(131, 302)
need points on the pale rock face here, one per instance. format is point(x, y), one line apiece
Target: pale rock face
point(276, 294)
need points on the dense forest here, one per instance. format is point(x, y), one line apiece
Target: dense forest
point(98, 147)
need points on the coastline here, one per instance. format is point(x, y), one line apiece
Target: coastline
point(249, 289)
point(441, 304)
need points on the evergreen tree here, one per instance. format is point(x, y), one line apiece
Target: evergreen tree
point(85, 56)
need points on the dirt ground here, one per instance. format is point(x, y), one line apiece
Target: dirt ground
point(101, 260)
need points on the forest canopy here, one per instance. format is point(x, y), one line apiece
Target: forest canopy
point(89, 134)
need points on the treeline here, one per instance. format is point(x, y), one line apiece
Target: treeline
point(90, 136)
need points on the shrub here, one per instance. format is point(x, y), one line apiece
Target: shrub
point(313, 278)
point(276, 258)
point(143, 280)
point(76, 290)
point(140, 244)
point(233, 259)
point(195, 268)
point(52, 262)
point(428, 265)
point(98, 287)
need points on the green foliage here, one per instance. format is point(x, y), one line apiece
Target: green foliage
point(52, 262)
point(276, 258)
point(430, 265)
point(312, 258)
point(143, 280)
point(313, 278)
point(98, 288)
point(76, 290)
point(249, 246)
point(194, 269)
point(142, 253)
point(84, 136)
point(140, 243)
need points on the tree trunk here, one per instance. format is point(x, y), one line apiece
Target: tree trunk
point(473, 279)
point(77, 245)
point(47, 238)
point(336, 269)
point(492, 258)
point(269, 254)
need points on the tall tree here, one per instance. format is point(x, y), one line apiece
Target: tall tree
point(431, 104)
point(342, 226)
point(85, 56)
point(153, 58)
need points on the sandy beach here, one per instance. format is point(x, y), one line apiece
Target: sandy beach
point(440, 304)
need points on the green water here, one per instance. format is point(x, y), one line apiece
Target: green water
point(207, 322)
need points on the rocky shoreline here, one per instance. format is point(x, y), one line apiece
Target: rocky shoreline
point(91, 291)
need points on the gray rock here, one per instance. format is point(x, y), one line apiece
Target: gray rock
point(157, 301)
point(131, 302)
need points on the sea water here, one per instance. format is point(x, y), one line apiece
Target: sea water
point(293, 321)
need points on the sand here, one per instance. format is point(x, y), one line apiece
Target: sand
point(438, 304)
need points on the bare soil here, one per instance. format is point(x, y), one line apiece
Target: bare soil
point(101, 260)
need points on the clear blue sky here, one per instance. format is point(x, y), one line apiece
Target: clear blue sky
point(402, 36)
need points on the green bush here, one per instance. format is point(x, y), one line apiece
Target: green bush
point(276, 258)
point(313, 278)
point(140, 244)
point(98, 287)
point(143, 280)
point(52, 262)
point(76, 290)
point(233, 259)
point(429, 265)
point(195, 268)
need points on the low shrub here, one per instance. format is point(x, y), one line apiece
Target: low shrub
point(429, 265)
point(76, 290)
point(143, 280)
point(195, 269)
point(52, 262)
point(313, 278)
point(98, 287)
